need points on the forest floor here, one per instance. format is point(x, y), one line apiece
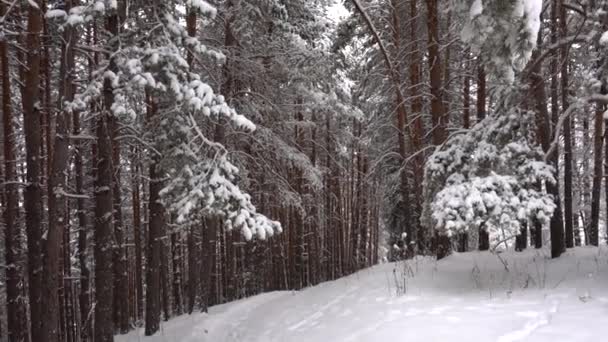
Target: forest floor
point(474, 296)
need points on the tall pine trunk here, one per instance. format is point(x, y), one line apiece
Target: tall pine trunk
point(33, 190)
point(121, 285)
point(15, 309)
point(194, 263)
point(83, 227)
point(593, 230)
point(557, 223)
point(104, 227)
point(568, 215)
point(137, 235)
point(438, 112)
point(155, 228)
point(483, 236)
point(53, 274)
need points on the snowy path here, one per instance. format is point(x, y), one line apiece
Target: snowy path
point(467, 297)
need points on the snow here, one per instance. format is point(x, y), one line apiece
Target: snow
point(55, 13)
point(476, 9)
point(473, 296)
point(604, 39)
point(203, 6)
point(532, 10)
point(33, 4)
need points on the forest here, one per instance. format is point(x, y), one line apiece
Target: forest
point(163, 157)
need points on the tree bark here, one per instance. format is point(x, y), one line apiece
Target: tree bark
point(416, 234)
point(53, 274)
point(15, 308)
point(593, 238)
point(137, 236)
point(544, 123)
point(121, 285)
point(438, 113)
point(177, 273)
point(194, 264)
point(484, 237)
point(568, 224)
point(104, 230)
point(83, 227)
point(33, 190)
point(155, 228)
point(557, 223)
point(104, 206)
point(466, 102)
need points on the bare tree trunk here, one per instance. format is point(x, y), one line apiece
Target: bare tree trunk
point(484, 237)
point(438, 114)
point(593, 237)
point(16, 314)
point(33, 190)
point(53, 274)
point(121, 285)
point(521, 241)
point(569, 237)
point(605, 169)
point(164, 277)
point(194, 264)
point(416, 233)
point(83, 227)
point(104, 206)
point(557, 223)
point(155, 228)
point(104, 230)
point(177, 273)
point(466, 102)
point(466, 124)
point(137, 236)
point(585, 213)
point(328, 203)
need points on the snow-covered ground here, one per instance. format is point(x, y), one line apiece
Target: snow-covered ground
point(466, 297)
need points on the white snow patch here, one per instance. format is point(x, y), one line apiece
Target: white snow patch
point(476, 9)
point(465, 297)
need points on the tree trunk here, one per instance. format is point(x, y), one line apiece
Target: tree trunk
point(33, 190)
point(177, 273)
point(194, 264)
point(52, 272)
point(593, 237)
point(83, 227)
point(415, 233)
point(104, 230)
point(137, 236)
point(484, 237)
point(585, 212)
point(557, 223)
point(15, 308)
point(568, 224)
point(606, 170)
point(438, 114)
point(121, 285)
point(104, 206)
point(466, 102)
point(155, 228)
point(164, 278)
point(521, 241)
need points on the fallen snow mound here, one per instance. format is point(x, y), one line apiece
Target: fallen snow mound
point(465, 297)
